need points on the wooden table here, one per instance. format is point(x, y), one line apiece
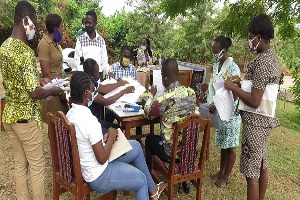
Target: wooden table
point(130, 120)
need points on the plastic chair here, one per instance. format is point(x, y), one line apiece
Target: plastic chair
point(67, 175)
point(191, 165)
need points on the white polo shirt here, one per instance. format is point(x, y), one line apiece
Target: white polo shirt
point(88, 133)
point(95, 49)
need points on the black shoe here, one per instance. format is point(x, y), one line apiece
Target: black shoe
point(186, 187)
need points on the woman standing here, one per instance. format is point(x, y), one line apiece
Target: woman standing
point(50, 56)
point(265, 69)
point(227, 136)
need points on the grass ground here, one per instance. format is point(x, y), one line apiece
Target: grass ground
point(284, 165)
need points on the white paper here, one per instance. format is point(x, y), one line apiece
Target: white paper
point(267, 105)
point(118, 108)
point(131, 97)
point(214, 118)
point(224, 103)
point(157, 81)
point(120, 147)
point(57, 83)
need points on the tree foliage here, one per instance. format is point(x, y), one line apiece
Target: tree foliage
point(285, 13)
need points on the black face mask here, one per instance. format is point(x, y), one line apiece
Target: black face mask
point(89, 30)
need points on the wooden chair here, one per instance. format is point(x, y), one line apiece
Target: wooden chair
point(191, 165)
point(65, 159)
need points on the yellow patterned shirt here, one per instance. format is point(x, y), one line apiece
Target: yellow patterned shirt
point(20, 76)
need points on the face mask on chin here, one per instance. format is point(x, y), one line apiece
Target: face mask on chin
point(93, 98)
point(253, 49)
point(29, 29)
point(89, 30)
point(125, 62)
point(57, 36)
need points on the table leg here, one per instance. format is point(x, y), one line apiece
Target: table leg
point(127, 130)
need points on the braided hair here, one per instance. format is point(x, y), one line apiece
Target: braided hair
point(80, 82)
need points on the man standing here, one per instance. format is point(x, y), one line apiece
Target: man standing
point(91, 45)
point(174, 105)
point(21, 116)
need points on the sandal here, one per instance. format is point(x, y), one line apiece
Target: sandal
point(160, 189)
point(215, 176)
point(221, 182)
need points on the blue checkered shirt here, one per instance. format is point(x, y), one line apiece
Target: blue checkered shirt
point(121, 72)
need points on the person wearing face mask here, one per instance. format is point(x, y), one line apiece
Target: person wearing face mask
point(91, 45)
point(144, 54)
point(51, 59)
point(227, 135)
point(264, 70)
point(21, 116)
point(123, 68)
point(91, 67)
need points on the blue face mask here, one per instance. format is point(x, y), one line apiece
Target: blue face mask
point(93, 97)
point(57, 36)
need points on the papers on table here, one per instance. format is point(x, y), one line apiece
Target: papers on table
point(223, 100)
point(267, 105)
point(120, 146)
point(157, 81)
point(128, 98)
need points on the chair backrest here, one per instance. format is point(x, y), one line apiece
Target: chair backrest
point(64, 150)
point(191, 128)
point(197, 79)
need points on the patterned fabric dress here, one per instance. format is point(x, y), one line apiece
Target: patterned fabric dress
point(227, 136)
point(264, 69)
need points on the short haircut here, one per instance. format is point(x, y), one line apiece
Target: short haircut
point(89, 66)
point(52, 21)
point(23, 9)
point(170, 68)
point(263, 26)
point(125, 47)
point(92, 13)
point(80, 82)
point(224, 42)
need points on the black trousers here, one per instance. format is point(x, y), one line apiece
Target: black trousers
point(153, 146)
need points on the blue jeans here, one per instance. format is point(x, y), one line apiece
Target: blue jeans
point(120, 175)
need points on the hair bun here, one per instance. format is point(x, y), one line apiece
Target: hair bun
point(229, 41)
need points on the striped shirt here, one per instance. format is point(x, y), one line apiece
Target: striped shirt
point(121, 72)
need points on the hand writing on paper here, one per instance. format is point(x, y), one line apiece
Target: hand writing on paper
point(153, 90)
point(129, 89)
point(212, 108)
point(111, 75)
point(121, 82)
point(112, 134)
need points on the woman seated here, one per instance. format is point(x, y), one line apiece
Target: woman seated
point(94, 150)
point(91, 67)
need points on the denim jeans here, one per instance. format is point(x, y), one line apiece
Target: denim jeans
point(120, 175)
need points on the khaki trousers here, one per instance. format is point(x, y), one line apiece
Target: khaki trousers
point(27, 143)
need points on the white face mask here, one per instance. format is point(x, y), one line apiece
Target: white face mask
point(29, 29)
